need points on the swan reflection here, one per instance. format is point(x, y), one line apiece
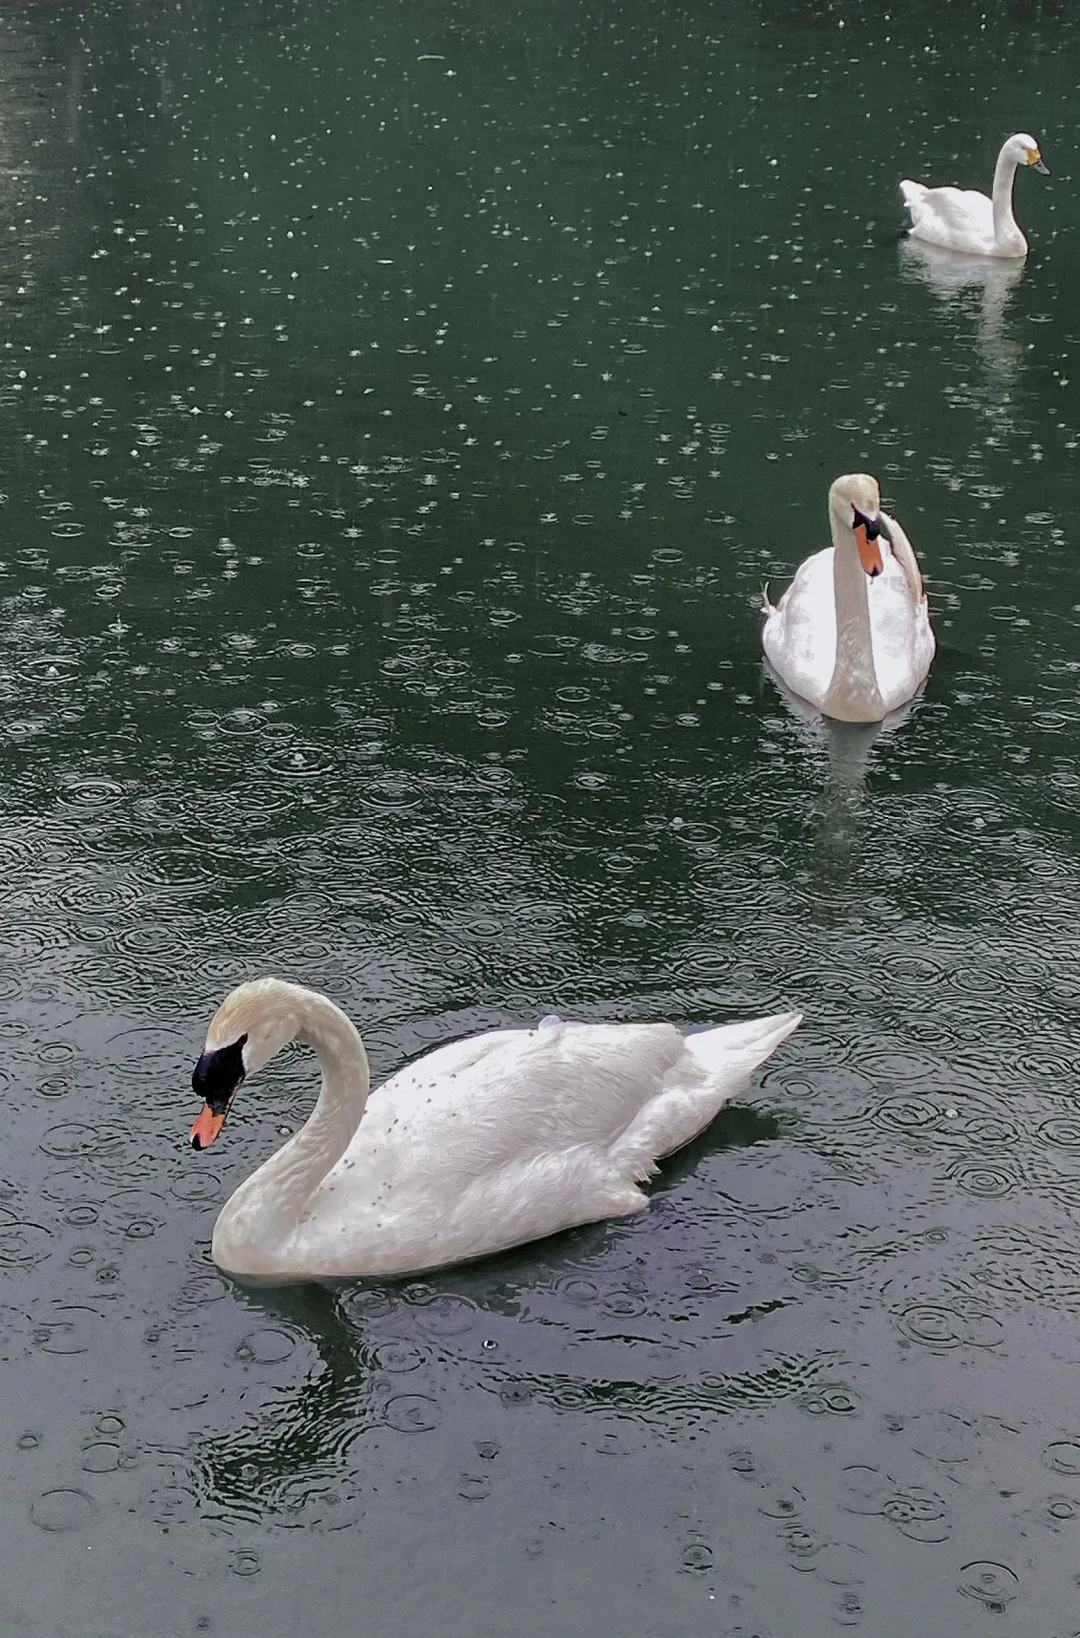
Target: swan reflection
point(847, 744)
point(954, 277)
point(841, 819)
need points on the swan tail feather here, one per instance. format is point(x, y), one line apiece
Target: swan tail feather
point(716, 1064)
point(734, 1051)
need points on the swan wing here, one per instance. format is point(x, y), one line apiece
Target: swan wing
point(904, 553)
point(901, 636)
point(713, 1066)
point(502, 1095)
point(958, 218)
point(799, 636)
point(516, 1134)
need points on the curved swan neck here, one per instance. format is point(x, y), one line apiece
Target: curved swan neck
point(268, 1207)
point(1005, 224)
point(853, 689)
point(346, 1079)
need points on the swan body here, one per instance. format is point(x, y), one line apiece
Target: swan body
point(962, 219)
point(478, 1146)
point(851, 635)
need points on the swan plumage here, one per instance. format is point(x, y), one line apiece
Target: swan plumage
point(478, 1146)
point(851, 635)
point(965, 220)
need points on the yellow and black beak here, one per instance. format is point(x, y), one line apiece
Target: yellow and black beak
point(1035, 160)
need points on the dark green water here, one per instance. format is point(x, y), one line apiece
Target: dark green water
point(402, 408)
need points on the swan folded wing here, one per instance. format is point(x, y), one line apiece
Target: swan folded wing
point(962, 208)
point(900, 634)
point(714, 1066)
point(800, 639)
point(531, 1133)
point(468, 1109)
point(445, 1063)
point(614, 1089)
point(485, 1144)
point(904, 553)
point(522, 1200)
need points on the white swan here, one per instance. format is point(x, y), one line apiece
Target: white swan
point(851, 635)
point(478, 1146)
point(961, 219)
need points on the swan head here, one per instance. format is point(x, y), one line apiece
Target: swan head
point(855, 503)
point(1024, 150)
point(252, 1024)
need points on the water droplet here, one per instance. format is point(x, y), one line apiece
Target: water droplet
point(781, 1501)
point(412, 1413)
point(447, 1316)
point(23, 1244)
point(993, 1584)
point(576, 1289)
point(399, 1356)
point(938, 1327)
point(65, 1328)
point(802, 1546)
point(62, 1509)
point(102, 1457)
point(266, 1346)
point(842, 1564)
point(73, 1138)
point(847, 1610)
point(1063, 1455)
point(81, 1215)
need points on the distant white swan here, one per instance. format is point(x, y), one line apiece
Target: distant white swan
point(851, 635)
point(476, 1147)
point(962, 219)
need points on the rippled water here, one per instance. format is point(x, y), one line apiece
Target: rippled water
point(403, 407)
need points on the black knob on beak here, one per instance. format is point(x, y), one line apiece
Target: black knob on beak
point(872, 527)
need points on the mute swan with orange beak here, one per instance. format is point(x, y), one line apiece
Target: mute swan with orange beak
point(478, 1146)
point(851, 635)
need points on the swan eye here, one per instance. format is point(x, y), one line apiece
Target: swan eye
point(217, 1074)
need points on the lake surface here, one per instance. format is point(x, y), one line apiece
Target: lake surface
point(403, 408)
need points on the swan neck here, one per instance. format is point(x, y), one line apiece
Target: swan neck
point(329, 1129)
point(267, 1209)
point(853, 694)
point(1005, 225)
